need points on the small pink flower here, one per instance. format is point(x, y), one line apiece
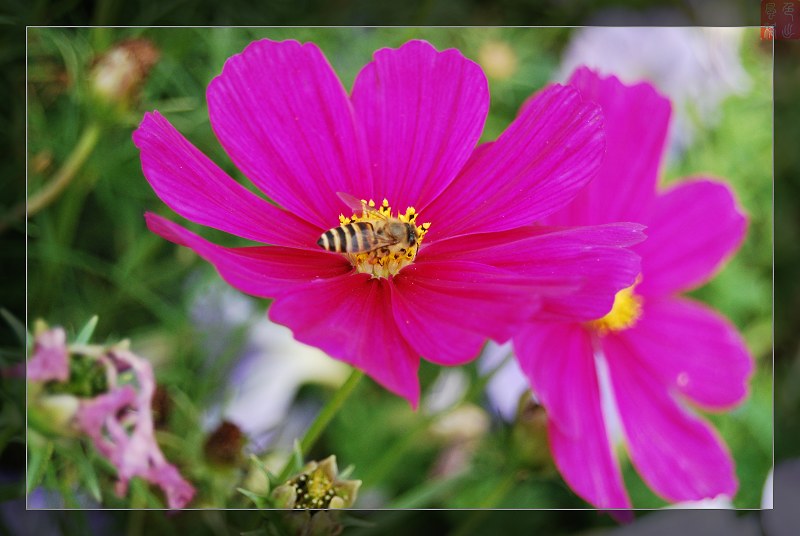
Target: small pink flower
point(49, 360)
point(660, 352)
point(120, 423)
point(406, 133)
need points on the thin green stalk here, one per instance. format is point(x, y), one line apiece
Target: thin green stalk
point(396, 453)
point(324, 418)
point(495, 497)
point(50, 192)
point(76, 159)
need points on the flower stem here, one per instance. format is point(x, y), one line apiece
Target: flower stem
point(324, 418)
point(80, 153)
point(76, 159)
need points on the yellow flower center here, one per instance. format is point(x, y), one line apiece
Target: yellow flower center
point(397, 239)
point(624, 313)
point(314, 490)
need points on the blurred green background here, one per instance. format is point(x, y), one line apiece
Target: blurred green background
point(91, 254)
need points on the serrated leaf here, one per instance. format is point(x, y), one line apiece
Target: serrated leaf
point(87, 331)
point(37, 464)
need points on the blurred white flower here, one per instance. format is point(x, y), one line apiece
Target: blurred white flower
point(507, 384)
point(697, 68)
point(446, 391)
point(720, 502)
point(271, 368)
point(766, 494)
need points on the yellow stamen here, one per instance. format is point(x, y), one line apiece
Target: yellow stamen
point(389, 260)
point(624, 313)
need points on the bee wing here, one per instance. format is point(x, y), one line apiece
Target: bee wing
point(359, 204)
point(351, 201)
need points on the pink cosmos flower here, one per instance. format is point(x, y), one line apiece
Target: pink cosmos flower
point(406, 133)
point(119, 422)
point(662, 352)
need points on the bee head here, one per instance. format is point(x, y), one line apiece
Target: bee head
point(411, 234)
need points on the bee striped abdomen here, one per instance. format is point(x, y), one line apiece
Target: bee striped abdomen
point(354, 237)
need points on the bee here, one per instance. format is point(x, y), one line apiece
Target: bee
point(380, 232)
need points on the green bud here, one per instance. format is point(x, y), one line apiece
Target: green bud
point(53, 414)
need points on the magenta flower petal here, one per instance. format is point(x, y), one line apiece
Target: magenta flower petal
point(693, 228)
point(50, 357)
point(585, 265)
point(432, 336)
point(678, 454)
point(549, 353)
point(350, 319)
point(694, 350)
point(541, 161)
point(488, 300)
point(197, 189)
point(635, 116)
point(260, 271)
point(286, 121)
point(421, 112)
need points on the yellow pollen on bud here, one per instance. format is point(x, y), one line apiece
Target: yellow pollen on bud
point(386, 260)
point(624, 313)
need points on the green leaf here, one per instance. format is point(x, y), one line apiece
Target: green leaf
point(37, 464)
point(18, 327)
point(90, 479)
point(345, 474)
point(271, 479)
point(259, 501)
point(298, 456)
point(425, 494)
point(86, 332)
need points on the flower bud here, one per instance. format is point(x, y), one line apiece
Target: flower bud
point(119, 73)
point(497, 59)
point(530, 434)
point(317, 487)
point(53, 414)
point(224, 445)
point(161, 405)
